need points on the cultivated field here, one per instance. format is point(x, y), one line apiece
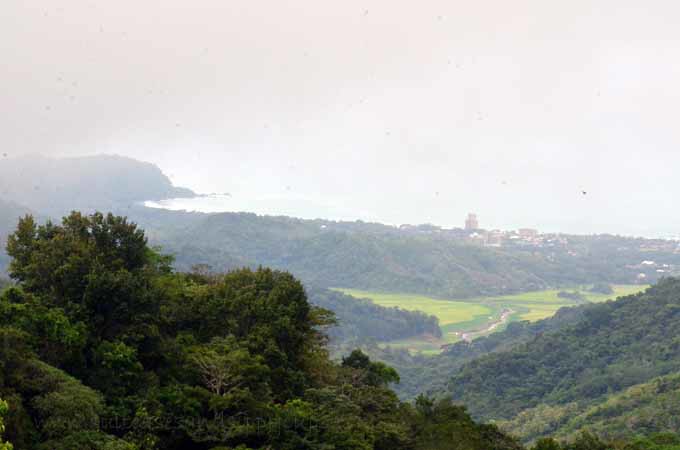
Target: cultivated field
point(470, 317)
point(449, 312)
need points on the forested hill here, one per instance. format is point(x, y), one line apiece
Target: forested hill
point(105, 347)
point(559, 375)
point(431, 374)
point(643, 409)
point(422, 259)
point(361, 319)
point(53, 187)
point(108, 348)
point(379, 257)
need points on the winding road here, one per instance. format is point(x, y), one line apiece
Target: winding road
point(468, 336)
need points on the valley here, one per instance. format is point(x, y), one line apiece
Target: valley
point(467, 319)
point(340, 225)
point(521, 334)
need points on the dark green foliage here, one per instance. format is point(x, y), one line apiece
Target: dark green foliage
point(588, 441)
point(373, 373)
point(547, 444)
point(442, 425)
point(377, 257)
point(3, 411)
point(561, 373)
point(359, 319)
point(87, 440)
point(642, 409)
point(430, 374)
point(348, 255)
point(423, 259)
point(657, 441)
point(91, 279)
point(104, 347)
point(46, 405)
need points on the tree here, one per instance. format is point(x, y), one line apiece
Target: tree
point(3, 410)
point(225, 365)
point(105, 347)
point(546, 444)
point(587, 441)
point(372, 373)
point(91, 276)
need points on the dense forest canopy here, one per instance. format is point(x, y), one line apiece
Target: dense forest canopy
point(439, 263)
point(352, 225)
point(96, 310)
point(431, 374)
point(426, 259)
point(358, 320)
point(560, 374)
point(109, 348)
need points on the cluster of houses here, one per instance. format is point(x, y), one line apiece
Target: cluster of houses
point(528, 237)
point(648, 268)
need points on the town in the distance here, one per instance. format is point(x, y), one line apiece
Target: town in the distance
point(136, 314)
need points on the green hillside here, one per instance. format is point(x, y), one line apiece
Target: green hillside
point(374, 257)
point(643, 409)
point(431, 373)
point(615, 345)
point(424, 260)
point(360, 319)
point(472, 318)
point(107, 348)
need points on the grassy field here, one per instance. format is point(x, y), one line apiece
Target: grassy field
point(457, 316)
point(451, 313)
point(541, 304)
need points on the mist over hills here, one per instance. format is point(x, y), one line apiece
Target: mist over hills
point(356, 225)
point(55, 186)
point(421, 260)
point(9, 213)
point(601, 365)
point(50, 188)
point(424, 259)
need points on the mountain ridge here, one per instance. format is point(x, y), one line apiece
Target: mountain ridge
point(616, 345)
point(55, 186)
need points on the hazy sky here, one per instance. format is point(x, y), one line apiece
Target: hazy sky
point(394, 111)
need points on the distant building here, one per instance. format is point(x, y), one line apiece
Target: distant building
point(527, 232)
point(471, 222)
point(494, 239)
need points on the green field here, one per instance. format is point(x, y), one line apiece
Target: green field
point(452, 314)
point(541, 304)
point(474, 315)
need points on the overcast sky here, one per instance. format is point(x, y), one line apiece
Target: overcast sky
point(402, 112)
